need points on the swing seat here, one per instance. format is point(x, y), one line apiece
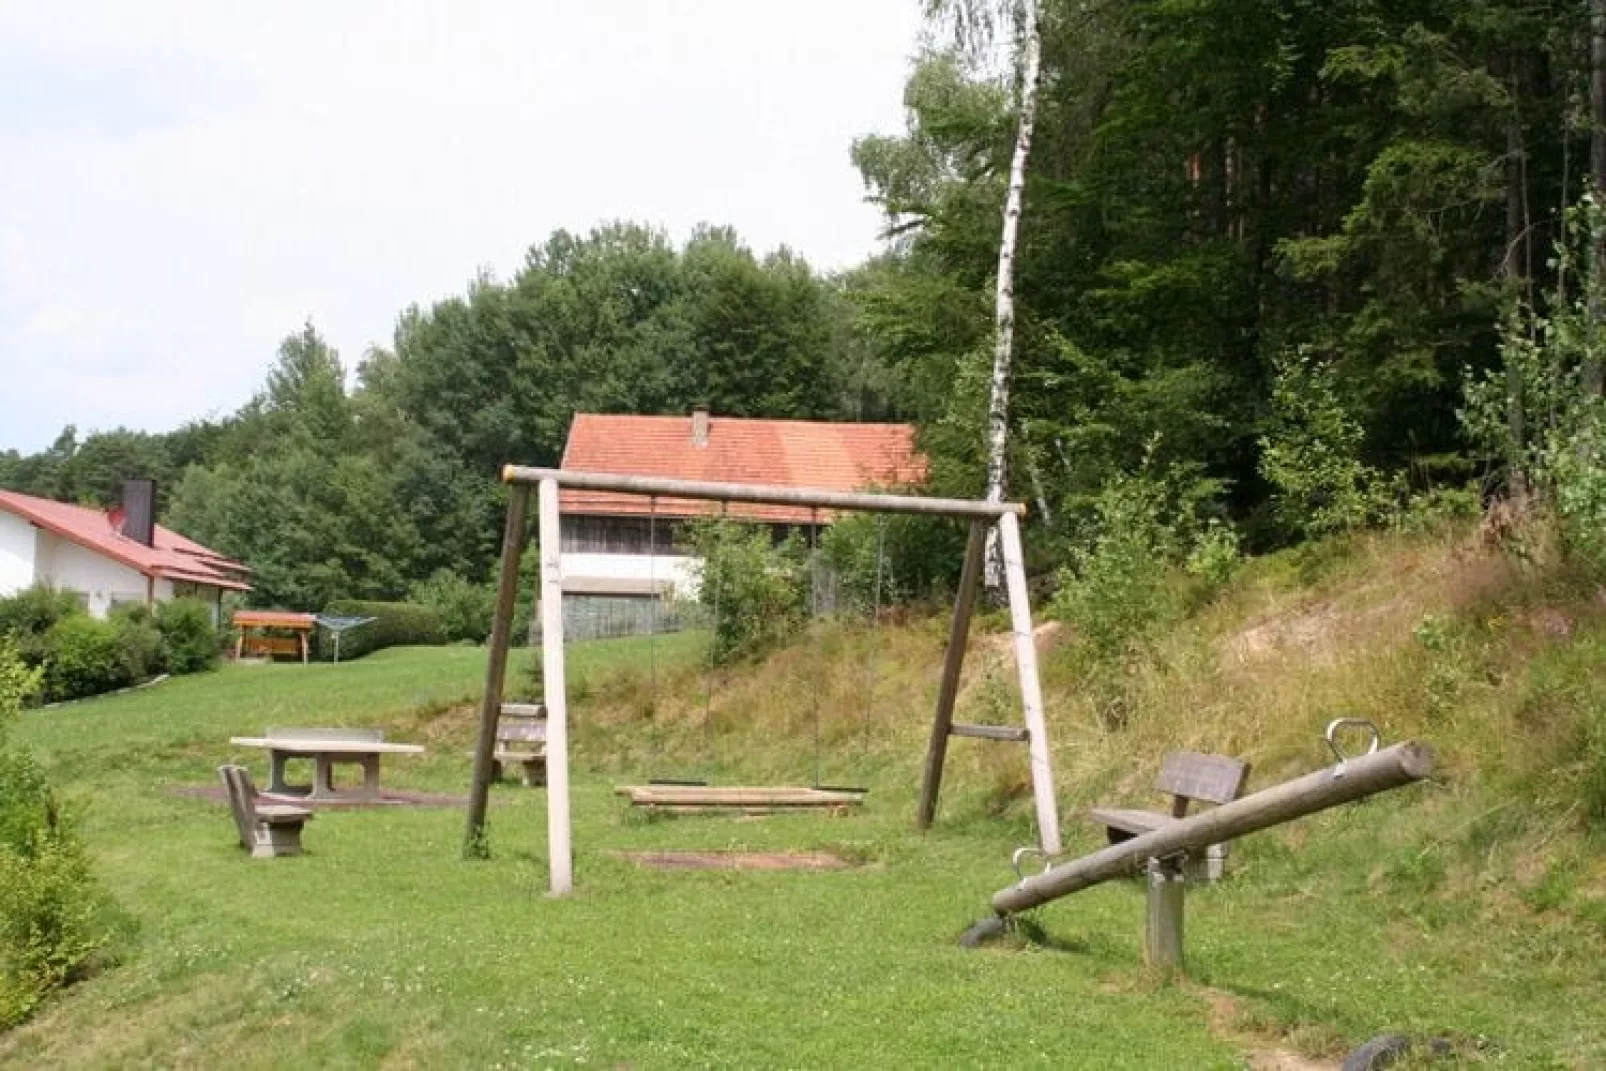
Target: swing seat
point(773, 799)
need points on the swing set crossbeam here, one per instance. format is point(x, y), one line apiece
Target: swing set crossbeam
point(761, 494)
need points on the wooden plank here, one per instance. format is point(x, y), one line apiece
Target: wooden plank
point(737, 796)
point(1010, 733)
point(1213, 778)
point(507, 589)
point(560, 857)
point(531, 733)
point(1031, 690)
point(953, 663)
point(813, 497)
point(523, 710)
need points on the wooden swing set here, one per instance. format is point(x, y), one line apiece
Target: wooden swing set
point(546, 484)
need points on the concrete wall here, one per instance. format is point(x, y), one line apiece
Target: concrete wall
point(104, 582)
point(683, 571)
point(17, 546)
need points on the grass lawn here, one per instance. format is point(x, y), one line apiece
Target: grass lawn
point(382, 947)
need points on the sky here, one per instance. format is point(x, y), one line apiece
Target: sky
point(184, 184)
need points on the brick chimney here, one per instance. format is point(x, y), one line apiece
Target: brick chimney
point(699, 426)
point(139, 511)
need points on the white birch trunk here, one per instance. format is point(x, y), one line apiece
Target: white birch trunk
point(1593, 376)
point(1004, 314)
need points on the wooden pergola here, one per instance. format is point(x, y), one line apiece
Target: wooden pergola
point(546, 483)
point(251, 627)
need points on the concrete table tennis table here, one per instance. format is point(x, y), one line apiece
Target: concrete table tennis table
point(325, 747)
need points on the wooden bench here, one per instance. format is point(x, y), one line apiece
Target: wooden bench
point(1188, 777)
point(267, 829)
point(521, 741)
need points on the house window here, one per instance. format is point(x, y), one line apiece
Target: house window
point(587, 534)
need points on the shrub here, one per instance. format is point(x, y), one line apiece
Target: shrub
point(84, 657)
point(464, 608)
point(144, 652)
point(1118, 589)
point(756, 593)
point(188, 634)
point(395, 624)
point(50, 907)
point(908, 557)
point(1213, 559)
point(32, 611)
point(1312, 453)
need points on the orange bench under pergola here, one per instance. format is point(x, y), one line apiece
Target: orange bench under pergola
point(251, 638)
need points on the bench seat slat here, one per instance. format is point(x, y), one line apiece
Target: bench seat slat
point(1009, 733)
point(504, 755)
point(1130, 820)
point(281, 812)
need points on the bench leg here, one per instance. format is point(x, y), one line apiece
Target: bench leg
point(534, 774)
point(276, 782)
point(1162, 936)
point(272, 841)
point(370, 777)
point(323, 778)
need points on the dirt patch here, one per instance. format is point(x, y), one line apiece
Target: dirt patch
point(1044, 636)
point(736, 860)
point(389, 797)
point(1260, 1053)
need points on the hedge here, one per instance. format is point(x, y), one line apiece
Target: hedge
point(396, 624)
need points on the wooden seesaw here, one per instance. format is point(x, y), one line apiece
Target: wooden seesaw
point(1162, 851)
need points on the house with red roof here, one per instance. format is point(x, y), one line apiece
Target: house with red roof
point(625, 547)
point(108, 557)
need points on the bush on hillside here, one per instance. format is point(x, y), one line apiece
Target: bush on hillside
point(50, 907)
point(464, 608)
point(190, 638)
point(1311, 454)
point(888, 559)
point(757, 594)
point(395, 624)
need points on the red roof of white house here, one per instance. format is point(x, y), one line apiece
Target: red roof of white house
point(173, 557)
point(777, 453)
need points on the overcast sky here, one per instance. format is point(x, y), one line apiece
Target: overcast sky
point(182, 184)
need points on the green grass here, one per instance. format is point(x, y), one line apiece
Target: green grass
point(382, 947)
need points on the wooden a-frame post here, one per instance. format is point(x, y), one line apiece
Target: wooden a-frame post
point(1036, 731)
point(507, 589)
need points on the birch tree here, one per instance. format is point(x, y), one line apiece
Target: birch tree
point(976, 22)
point(1597, 184)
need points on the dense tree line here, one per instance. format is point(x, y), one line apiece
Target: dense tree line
point(1254, 233)
point(333, 489)
point(1214, 186)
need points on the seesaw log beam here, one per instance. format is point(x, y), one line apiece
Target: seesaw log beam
point(1356, 779)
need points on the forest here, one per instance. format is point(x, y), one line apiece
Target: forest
point(1283, 266)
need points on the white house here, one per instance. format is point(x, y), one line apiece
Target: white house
point(107, 558)
point(620, 552)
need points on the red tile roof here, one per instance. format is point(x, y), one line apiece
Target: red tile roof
point(783, 453)
point(173, 557)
